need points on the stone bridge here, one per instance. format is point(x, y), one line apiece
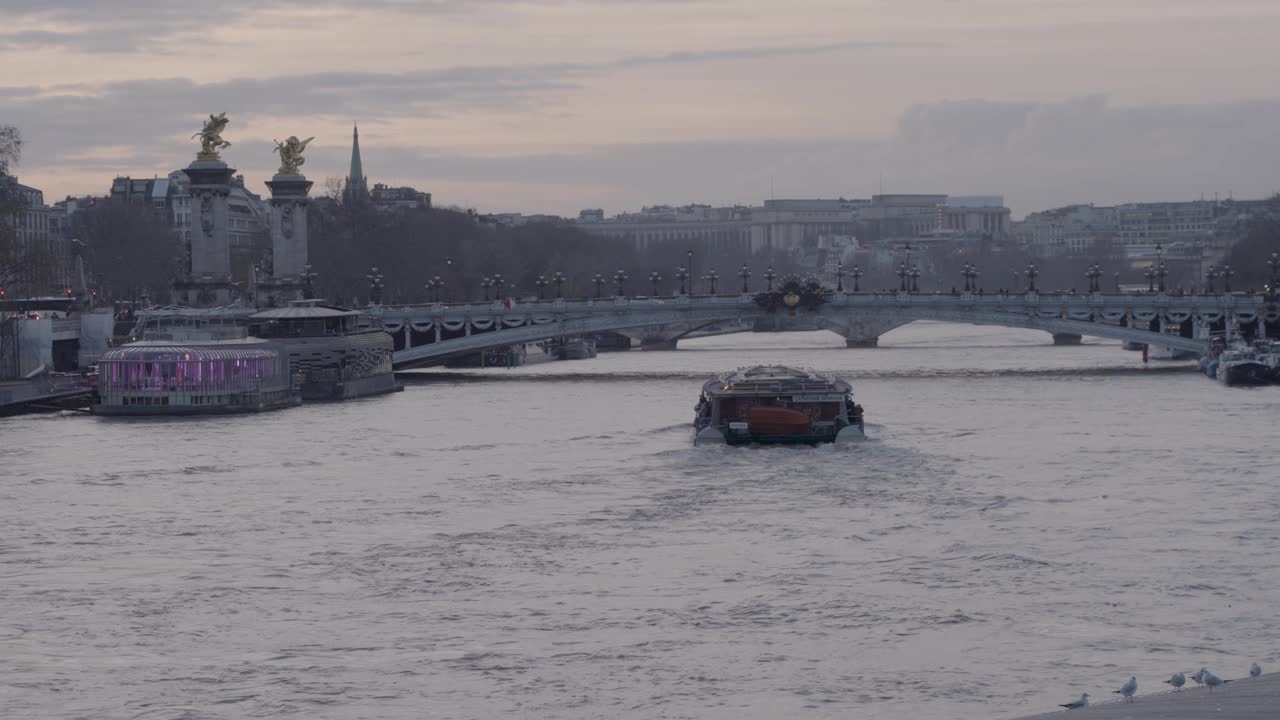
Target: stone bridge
point(431, 334)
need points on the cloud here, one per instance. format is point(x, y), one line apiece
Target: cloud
point(1038, 155)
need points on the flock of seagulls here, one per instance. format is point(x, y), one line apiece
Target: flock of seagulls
point(1202, 677)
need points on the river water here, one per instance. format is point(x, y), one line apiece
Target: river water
point(1025, 523)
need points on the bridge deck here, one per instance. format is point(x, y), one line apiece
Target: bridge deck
point(1245, 699)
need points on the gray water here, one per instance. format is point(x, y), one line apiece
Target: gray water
point(1025, 523)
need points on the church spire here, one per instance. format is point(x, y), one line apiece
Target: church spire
point(357, 184)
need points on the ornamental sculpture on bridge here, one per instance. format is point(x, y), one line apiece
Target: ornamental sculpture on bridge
point(290, 152)
point(793, 292)
point(211, 137)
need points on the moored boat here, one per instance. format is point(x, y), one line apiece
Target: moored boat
point(776, 405)
point(165, 378)
point(1242, 366)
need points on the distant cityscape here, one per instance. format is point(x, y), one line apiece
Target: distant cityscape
point(816, 233)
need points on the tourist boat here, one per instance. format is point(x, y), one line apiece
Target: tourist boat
point(338, 359)
point(163, 378)
point(1243, 365)
point(773, 405)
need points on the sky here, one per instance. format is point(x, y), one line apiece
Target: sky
point(558, 105)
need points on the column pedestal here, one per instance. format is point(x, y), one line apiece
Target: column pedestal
point(207, 280)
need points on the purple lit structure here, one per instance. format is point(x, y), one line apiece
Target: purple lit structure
point(160, 378)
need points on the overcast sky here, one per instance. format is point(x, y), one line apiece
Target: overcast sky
point(557, 105)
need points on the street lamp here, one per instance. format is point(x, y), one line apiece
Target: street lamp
point(902, 276)
point(498, 285)
point(1162, 271)
point(711, 278)
point(486, 282)
point(620, 277)
point(1274, 264)
point(654, 277)
point(1032, 274)
point(1226, 274)
point(598, 279)
point(1094, 273)
point(541, 282)
point(769, 275)
point(1210, 275)
point(915, 278)
point(1150, 272)
point(558, 278)
point(744, 273)
point(375, 286)
point(856, 274)
point(682, 274)
point(433, 289)
point(448, 272)
point(839, 275)
point(690, 266)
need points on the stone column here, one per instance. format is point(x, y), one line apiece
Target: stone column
point(207, 281)
point(288, 240)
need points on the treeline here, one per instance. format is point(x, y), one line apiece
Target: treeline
point(411, 247)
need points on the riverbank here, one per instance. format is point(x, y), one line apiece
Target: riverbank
point(1240, 699)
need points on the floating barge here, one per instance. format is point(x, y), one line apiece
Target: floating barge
point(775, 405)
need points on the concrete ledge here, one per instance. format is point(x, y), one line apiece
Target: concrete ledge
point(1241, 699)
point(1066, 339)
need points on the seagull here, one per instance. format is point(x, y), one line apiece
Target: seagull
point(1082, 702)
point(1255, 670)
point(1199, 677)
point(1177, 681)
point(1128, 689)
point(1211, 680)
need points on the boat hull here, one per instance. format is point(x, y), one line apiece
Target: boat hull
point(1244, 374)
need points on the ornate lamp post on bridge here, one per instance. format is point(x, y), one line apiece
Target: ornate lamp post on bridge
point(499, 284)
point(1032, 273)
point(682, 274)
point(839, 275)
point(375, 286)
point(745, 274)
point(486, 282)
point(541, 282)
point(769, 275)
point(1226, 273)
point(433, 288)
point(903, 272)
point(1161, 270)
point(619, 277)
point(689, 265)
point(970, 272)
point(1274, 264)
point(915, 278)
point(655, 278)
point(598, 279)
point(1209, 276)
point(711, 277)
point(856, 274)
point(558, 278)
point(1094, 273)
point(448, 272)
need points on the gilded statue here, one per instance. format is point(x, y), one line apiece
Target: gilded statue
point(211, 137)
point(291, 154)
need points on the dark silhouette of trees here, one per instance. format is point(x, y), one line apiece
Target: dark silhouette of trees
point(129, 250)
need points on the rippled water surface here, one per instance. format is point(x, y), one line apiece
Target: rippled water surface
point(1025, 523)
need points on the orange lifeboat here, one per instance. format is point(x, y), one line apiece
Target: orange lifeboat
point(764, 420)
